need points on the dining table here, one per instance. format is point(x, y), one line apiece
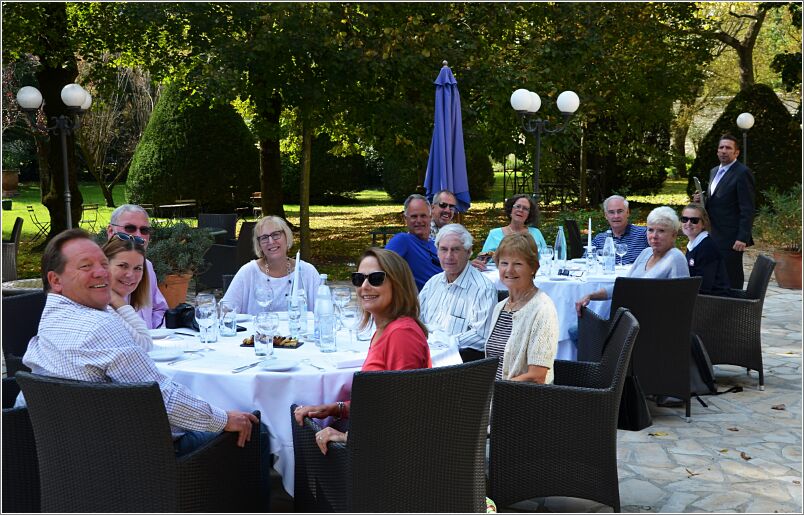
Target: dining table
point(303, 375)
point(565, 291)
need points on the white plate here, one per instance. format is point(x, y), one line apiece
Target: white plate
point(559, 278)
point(279, 365)
point(165, 354)
point(579, 260)
point(244, 317)
point(157, 334)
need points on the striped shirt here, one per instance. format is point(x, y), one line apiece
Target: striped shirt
point(635, 236)
point(495, 348)
point(461, 308)
point(86, 344)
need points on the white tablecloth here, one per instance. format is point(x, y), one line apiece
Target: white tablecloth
point(564, 293)
point(210, 376)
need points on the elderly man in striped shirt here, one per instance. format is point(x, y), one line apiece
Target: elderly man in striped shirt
point(459, 300)
point(622, 231)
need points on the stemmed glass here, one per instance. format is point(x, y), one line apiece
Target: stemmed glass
point(341, 295)
point(206, 314)
point(621, 249)
point(264, 295)
point(350, 320)
point(546, 258)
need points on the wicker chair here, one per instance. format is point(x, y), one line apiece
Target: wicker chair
point(730, 326)
point(107, 447)
point(11, 248)
point(25, 310)
point(664, 308)
point(226, 221)
point(561, 439)
point(574, 245)
point(416, 444)
point(593, 333)
point(20, 465)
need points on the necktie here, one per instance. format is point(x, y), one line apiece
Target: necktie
point(717, 178)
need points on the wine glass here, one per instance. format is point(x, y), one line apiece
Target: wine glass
point(206, 316)
point(546, 258)
point(264, 295)
point(350, 320)
point(621, 249)
point(341, 295)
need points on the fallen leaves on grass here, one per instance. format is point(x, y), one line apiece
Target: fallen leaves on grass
point(732, 429)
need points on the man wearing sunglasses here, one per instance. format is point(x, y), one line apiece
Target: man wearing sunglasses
point(459, 300)
point(133, 220)
point(444, 207)
point(415, 246)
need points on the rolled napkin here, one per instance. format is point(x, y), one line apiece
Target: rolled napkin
point(589, 234)
point(354, 362)
point(295, 288)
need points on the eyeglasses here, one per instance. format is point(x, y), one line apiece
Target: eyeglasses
point(690, 219)
point(374, 278)
point(131, 229)
point(128, 237)
point(276, 235)
point(447, 205)
point(521, 207)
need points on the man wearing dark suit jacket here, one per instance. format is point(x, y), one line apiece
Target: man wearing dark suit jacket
point(730, 204)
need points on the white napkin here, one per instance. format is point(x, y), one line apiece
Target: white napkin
point(353, 362)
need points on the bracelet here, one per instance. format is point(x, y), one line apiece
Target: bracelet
point(339, 404)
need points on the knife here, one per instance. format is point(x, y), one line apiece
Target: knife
point(246, 367)
point(184, 334)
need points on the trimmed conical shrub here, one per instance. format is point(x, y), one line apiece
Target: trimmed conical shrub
point(194, 150)
point(774, 142)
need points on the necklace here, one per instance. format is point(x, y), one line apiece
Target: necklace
point(514, 305)
point(268, 268)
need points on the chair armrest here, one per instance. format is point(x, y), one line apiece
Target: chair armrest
point(583, 374)
point(592, 332)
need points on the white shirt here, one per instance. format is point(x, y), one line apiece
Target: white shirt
point(462, 308)
point(698, 239)
point(241, 289)
point(719, 176)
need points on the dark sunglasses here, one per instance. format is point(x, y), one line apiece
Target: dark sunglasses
point(128, 237)
point(445, 205)
point(131, 228)
point(374, 278)
point(691, 219)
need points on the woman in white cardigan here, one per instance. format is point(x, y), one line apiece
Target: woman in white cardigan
point(524, 334)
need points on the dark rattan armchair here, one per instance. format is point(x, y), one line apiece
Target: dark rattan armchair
point(730, 326)
point(416, 444)
point(593, 333)
point(561, 439)
point(21, 314)
point(664, 308)
point(107, 447)
point(574, 245)
point(20, 465)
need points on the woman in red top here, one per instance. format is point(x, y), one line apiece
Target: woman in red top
point(387, 295)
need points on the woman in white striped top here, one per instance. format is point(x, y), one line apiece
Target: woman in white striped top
point(524, 334)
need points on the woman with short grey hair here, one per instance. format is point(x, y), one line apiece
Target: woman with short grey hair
point(660, 260)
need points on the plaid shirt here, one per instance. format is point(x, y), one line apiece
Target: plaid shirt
point(82, 343)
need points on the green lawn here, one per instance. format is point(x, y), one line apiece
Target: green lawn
point(341, 233)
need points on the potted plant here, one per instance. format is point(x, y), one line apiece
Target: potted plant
point(11, 172)
point(177, 252)
point(779, 226)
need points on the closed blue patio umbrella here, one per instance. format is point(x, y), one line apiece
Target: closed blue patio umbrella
point(446, 166)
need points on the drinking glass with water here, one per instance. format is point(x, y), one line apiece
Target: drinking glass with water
point(265, 325)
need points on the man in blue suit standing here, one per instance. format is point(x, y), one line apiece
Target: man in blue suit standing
point(730, 204)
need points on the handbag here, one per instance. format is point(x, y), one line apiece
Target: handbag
point(183, 315)
point(634, 413)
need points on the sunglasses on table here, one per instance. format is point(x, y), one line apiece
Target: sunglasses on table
point(374, 278)
point(131, 228)
point(690, 219)
point(447, 205)
point(128, 237)
point(276, 235)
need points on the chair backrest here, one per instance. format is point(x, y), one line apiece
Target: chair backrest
point(594, 333)
point(417, 438)
point(760, 277)
point(88, 433)
point(245, 247)
point(20, 464)
point(16, 231)
point(226, 221)
point(574, 245)
point(24, 310)
point(618, 349)
point(664, 310)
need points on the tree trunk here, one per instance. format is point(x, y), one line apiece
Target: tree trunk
point(304, 190)
point(680, 129)
point(271, 201)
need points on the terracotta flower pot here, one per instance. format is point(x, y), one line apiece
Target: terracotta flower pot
point(788, 269)
point(11, 181)
point(175, 289)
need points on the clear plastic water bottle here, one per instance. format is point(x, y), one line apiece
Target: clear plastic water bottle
point(323, 306)
point(609, 254)
point(560, 249)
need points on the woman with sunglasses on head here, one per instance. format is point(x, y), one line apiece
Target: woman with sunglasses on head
point(703, 257)
point(129, 283)
point(273, 269)
point(387, 296)
point(521, 211)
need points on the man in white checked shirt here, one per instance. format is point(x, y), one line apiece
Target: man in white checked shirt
point(81, 338)
point(460, 299)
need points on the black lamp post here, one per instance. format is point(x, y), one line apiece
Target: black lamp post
point(78, 102)
point(745, 121)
